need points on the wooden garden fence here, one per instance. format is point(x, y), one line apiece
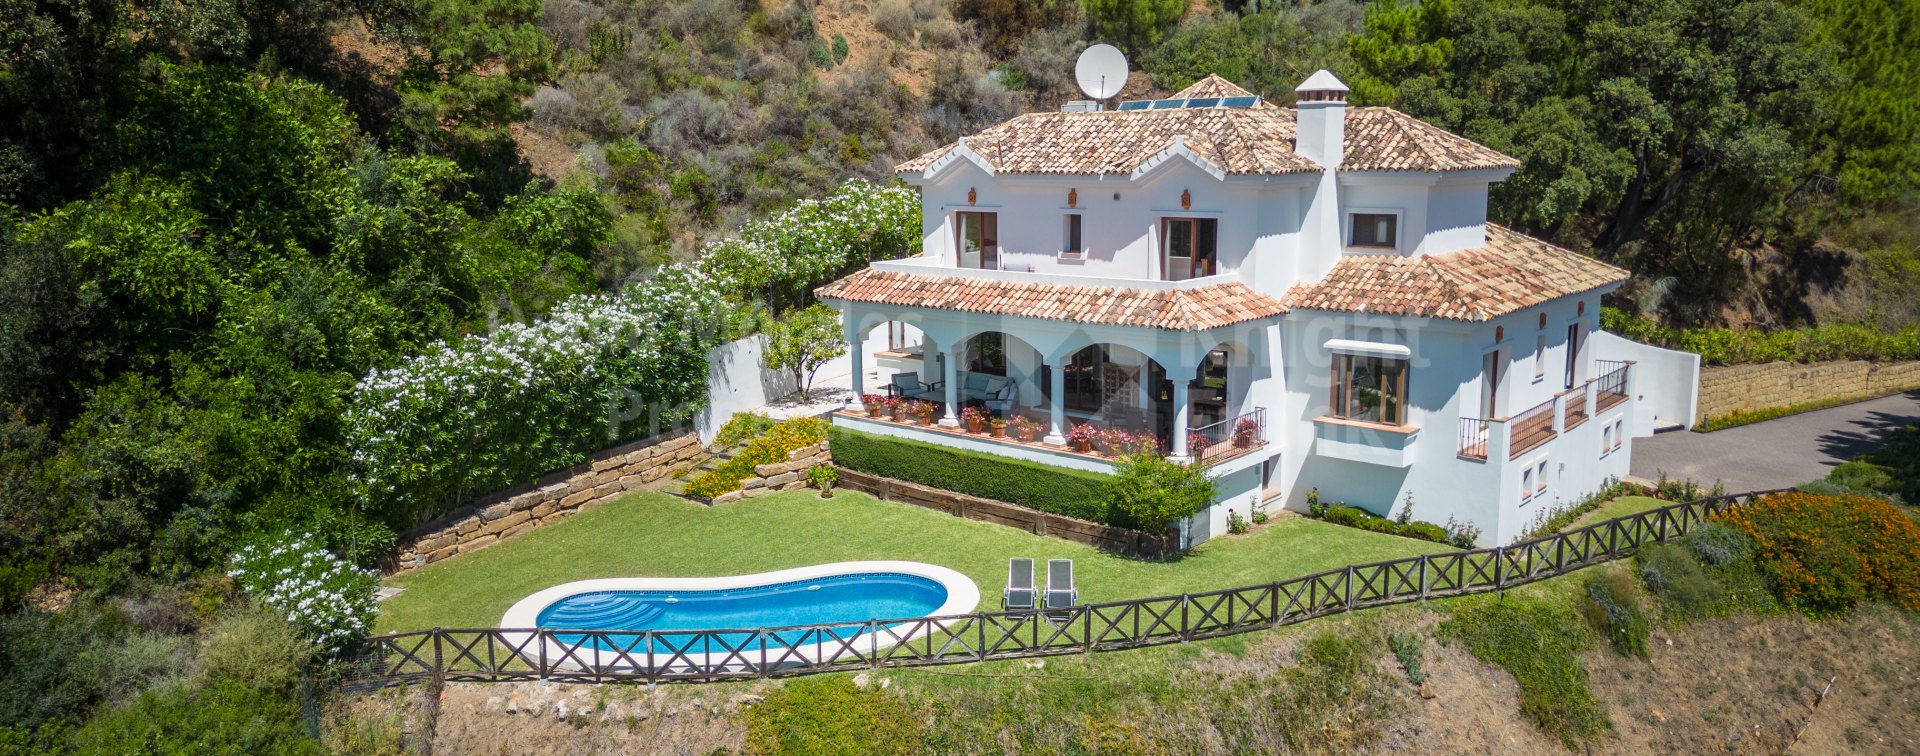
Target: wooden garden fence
point(657, 656)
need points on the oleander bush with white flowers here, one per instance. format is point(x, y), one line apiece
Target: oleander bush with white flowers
point(327, 599)
point(488, 412)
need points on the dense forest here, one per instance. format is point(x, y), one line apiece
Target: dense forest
point(226, 228)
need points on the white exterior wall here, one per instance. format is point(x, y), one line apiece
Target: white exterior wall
point(1667, 388)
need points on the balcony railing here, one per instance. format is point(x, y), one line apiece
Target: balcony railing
point(1613, 386)
point(1217, 440)
point(1542, 423)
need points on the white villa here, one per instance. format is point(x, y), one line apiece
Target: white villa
point(1324, 272)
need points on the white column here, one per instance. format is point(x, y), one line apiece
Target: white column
point(951, 376)
point(1057, 407)
point(1180, 412)
point(856, 356)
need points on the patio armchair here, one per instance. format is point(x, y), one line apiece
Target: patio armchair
point(1061, 592)
point(1000, 400)
point(906, 385)
point(1020, 593)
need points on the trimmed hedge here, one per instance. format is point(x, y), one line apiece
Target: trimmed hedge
point(1729, 346)
point(1074, 493)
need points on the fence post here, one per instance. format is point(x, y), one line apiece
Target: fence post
point(1423, 577)
point(1186, 629)
point(1349, 587)
point(1499, 567)
point(439, 668)
point(1088, 632)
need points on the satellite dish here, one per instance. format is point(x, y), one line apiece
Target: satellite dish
point(1101, 71)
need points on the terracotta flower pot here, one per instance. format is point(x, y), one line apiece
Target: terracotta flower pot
point(974, 425)
point(925, 418)
point(874, 410)
point(899, 415)
point(1242, 442)
point(1083, 446)
point(1026, 435)
point(999, 431)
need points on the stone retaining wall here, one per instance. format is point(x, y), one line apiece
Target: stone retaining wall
point(779, 476)
point(508, 513)
point(1779, 384)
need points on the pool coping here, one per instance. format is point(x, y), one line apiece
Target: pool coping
point(962, 597)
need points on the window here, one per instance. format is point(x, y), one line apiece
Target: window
point(1526, 484)
point(897, 336)
point(1573, 353)
point(1619, 432)
point(1369, 389)
point(987, 353)
point(1540, 479)
point(1189, 247)
point(1379, 230)
point(977, 237)
point(1539, 356)
point(1606, 440)
point(1071, 244)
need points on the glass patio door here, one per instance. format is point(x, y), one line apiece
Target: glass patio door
point(1190, 247)
point(978, 239)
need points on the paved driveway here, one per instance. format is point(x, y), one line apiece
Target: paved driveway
point(1776, 453)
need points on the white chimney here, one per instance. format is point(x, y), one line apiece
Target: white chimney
point(1321, 131)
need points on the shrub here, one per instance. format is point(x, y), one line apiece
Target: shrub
point(1406, 649)
point(1672, 572)
point(771, 447)
point(1718, 544)
point(1534, 640)
point(1425, 531)
point(831, 715)
point(223, 718)
point(1157, 492)
point(1899, 458)
point(1824, 554)
point(741, 428)
point(1074, 493)
point(255, 649)
point(1614, 608)
point(1464, 535)
point(1727, 346)
point(1235, 523)
point(327, 599)
point(803, 342)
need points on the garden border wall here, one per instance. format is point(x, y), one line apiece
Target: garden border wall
point(511, 511)
point(1731, 388)
point(1097, 535)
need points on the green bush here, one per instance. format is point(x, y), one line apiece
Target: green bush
point(1709, 572)
point(1825, 554)
point(831, 715)
point(770, 448)
point(1157, 492)
point(1727, 346)
point(1614, 608)
point(1672, 572)
point(1718, 544)
point(1425, 531)
point(1893, 469)
point(1406, 649)
point(1538, 643)
point(225, 717)
point(1074, 493)
point(741, 428)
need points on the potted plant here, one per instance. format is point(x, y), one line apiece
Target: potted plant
point(923, 411)
point(1115, 442)
point(975, 417)
point(1024, 429)
point(1197, 444)
point(1244, 430)
point(897, 407)
point(1082, 436)
point(998, 426)
point(874, 403)
point(823, 476)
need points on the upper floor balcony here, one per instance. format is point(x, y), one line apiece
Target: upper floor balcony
point(1006, 271)
point(1510, 437)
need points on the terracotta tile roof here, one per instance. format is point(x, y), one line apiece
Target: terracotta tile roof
point(1384, 139)
point(1181, 310)
point(1249, 141)
point(1512, 272)
point(1257, 141)
point(1212, 86)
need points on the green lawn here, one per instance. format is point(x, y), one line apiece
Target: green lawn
point(656, 535)
point(1621, 507)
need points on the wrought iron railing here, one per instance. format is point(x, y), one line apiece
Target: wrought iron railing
point(1473, 438)
point(1530, 428)
point(1220, 439)
point(1613, 387)
point(491, 654)
point(1576, 412)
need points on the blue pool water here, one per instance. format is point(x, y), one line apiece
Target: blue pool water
point(836, 599)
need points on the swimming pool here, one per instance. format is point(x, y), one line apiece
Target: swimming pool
point(843, 596)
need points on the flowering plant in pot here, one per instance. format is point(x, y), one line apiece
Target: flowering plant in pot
point(923, 411)
point(1197, 443)
point(897, 407)
point(823, 476)
point(998, 426)
point(1115, 442)
point(1244, 430)
point(975, 417)
point(1024, 429)
point(1082, 436)
point(874, 404)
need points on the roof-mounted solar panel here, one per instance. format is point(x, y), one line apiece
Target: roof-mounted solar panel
point(1136, 104)
point(1167, 104)
point(1203, 102)
point(1240, 102)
